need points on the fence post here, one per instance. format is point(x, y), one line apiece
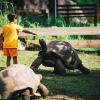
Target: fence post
point(95, 16)
point(53, 8)
point(68, 13)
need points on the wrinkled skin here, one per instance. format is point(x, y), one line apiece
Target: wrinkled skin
point(59, 55)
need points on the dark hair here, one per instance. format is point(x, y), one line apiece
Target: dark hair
point(11, 16)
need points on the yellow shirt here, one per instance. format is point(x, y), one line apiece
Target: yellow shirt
point(10, 33)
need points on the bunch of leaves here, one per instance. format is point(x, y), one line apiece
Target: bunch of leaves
point(3, 20)
point(6, 7)
point(59, 21)
point(41, 20)
point(32, 20)
point(78, 37)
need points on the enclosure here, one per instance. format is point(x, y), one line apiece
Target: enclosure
point(83, 36)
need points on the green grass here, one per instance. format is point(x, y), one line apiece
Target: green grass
point(98, 24)
point(74, 84)
point(89, 49)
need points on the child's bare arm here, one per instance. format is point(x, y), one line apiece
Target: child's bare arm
point(29, 32)
point(1, 40)
point(1, 37)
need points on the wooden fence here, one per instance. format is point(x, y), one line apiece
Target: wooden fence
point(60, 31)
point(70, 11)
point(67, 31)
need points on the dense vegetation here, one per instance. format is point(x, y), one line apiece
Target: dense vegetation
point(40, 20)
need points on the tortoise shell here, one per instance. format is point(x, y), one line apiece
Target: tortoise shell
point(61, 48)
point(16, 77)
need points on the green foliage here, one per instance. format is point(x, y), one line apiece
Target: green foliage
point(40, 20)
point(6, 7)
point(90, 49)
point(78, 37)
point(3, 20)
point(32, 20)
point(59, 21)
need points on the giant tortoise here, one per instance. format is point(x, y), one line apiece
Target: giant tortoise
point(20, 81)
point(60, 55)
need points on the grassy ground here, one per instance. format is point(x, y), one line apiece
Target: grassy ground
point(73, 86)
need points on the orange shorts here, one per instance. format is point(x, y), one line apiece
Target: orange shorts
point(10, 51)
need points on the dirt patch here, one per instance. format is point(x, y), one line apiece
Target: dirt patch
point(58, 97)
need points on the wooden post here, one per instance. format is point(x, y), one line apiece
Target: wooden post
point(95, 17)
point(53, 8)
point(68, 13)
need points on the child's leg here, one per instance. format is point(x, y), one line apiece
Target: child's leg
point(8, 61)
point(14, 59)
point(10, 52)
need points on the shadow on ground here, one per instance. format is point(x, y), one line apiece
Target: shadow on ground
point(73, 84)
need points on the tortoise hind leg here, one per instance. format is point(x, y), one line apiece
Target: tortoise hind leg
point(83, 69)
point(59, 67)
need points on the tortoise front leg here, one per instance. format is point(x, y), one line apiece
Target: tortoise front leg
point(59, 67)
point(43, 90)
point(36, 63)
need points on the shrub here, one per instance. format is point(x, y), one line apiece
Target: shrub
point(3, 20)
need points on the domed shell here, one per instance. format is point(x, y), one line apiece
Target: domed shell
point(16, 77)
point(61, 48)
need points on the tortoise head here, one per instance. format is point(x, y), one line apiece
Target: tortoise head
point(43, 46)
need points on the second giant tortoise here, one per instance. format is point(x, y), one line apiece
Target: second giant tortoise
point(20, 81)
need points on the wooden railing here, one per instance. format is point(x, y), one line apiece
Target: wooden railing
point(70, 11)
point(65, 31)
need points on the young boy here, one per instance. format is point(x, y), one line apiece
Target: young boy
point(10, 35)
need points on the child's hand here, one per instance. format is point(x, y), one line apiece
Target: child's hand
point(34, 34)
